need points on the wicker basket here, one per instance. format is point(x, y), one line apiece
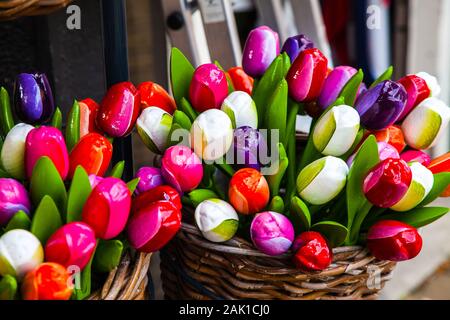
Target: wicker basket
point(194, 268)
point(128, 281)
point(12, 9)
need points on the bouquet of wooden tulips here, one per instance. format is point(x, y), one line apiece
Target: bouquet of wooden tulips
point(228, 145)
point(62, 217)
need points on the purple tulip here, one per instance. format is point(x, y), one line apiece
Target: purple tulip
point(417, 156)
point(380, 106)
point(33, 98)
point(272, 233)
point(385, 150)
point(261, 48)
point(248, 144)
point(13, 197)
point(333, 85)
point(296, 44)
point(149, 177)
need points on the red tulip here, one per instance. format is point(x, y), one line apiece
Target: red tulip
point(153, 95)
point(119, 109)
point(153, 226)
point(387, 182)
point(241, 81)
point(159, 193)
point(393, 240)
point(88, 115)
point(392, 135)
point(312, 252)
point(46, 141)
point(93, 152)
point(417, 90)
point(307, 75)
point(49, 281)
point(248, 192)
point(107, 208)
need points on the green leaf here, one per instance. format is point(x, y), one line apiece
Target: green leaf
point(45, 180)
point(46, 220)
point(286, 63)
point(8, 288)
point(277, 204)
point(107, 255)
point(365, 159)
point(441, 182)
point(230, 83)
point(73, 126)
point(276, 115)
point(80, 189)
point(57, 119)
point(19, 221)
point(199, 195)
point(117, 170)
point(181, 72)
point(417, 217)
point(6, 117)
point(182, 119)
point(274, 180)
point(350, 89)
point(186, 107)
point(266, 86)
point(132, 184)
point(335, 232)
point(299, 215)
point(386, 75)
point(82, 288)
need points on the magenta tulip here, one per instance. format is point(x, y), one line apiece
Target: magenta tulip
point(149, 177)
point(385, 150)
point(13, 197)
point(416, 155)
point(94, 180)
point(333, 85)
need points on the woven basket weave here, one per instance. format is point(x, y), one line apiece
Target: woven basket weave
point(12, 9)
point(194, 268)
point(128, 281)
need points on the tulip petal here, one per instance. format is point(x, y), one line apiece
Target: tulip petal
point(13, 150)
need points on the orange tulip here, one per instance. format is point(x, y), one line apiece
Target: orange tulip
point(49, 281)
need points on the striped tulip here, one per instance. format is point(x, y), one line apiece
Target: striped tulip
point(149, 178)
point(20, 253)
point(380, 106)
point(322, 180)
point(49, 142)
point(336, 130)
point(153, 95)
point(307, 75)
point(296, 44)
point(33, 98)
point(248, 191)
point(240, 80)
point(387, 182)
point(181, 168)
point(71, 245)
point(416, 156)
point(153, 126)
point(119, 109)
point(93, 152)
point(272, 233)
point(211, 134)
point(88, 115)
point(49, 281)
point(392, 135)
point(13, 197)
point(441, 164)
point(153, 226)
point(13, 150)
point(261, 48)
point(217, 220)
point(423, 126)
point(107, 208)
point(208, 88)
point(241, 109)
point(421, 184)
point(393, 240)
point(333, 85)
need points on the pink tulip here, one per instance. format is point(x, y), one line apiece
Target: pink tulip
point(49, 142)
point(416, 155)
point(385, 150)
point(13, 197)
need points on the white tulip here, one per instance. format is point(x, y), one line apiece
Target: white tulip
point(241, 109)
point(211, 134)
point(322, 180)
point(13, 151)
point(153, 126)
point(216, 219)
point(336, 130)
